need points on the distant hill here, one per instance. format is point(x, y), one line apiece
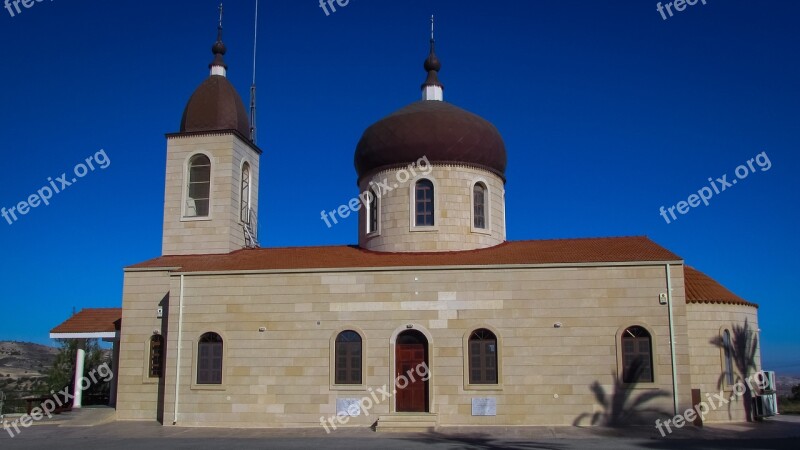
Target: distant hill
point(23, 365)
point(784, 384)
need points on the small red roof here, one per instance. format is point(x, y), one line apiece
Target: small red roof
point(700, 288)
point(562, 251)
point(92, 320)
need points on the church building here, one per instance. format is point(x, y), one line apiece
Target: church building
point(217, 331)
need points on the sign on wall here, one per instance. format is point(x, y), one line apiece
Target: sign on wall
point(484, 406)
point(348, 407)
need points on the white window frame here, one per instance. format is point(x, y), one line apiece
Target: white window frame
point(487, 205)
point(368, 210)
point(185, 194)
point(729, 379)
point(245, 163)
point(412, 202)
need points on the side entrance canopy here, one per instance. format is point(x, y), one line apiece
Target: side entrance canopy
point(93, 323)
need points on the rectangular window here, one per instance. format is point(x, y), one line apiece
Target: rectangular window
point(480, 209)
point(245, 207)
point(726, 341)
point(199, 188)
point(372, 219)
point(637, 365)
point(156, 357)
point(209, 367)
point(483, 362)
point(424, 201)
point(348, 363)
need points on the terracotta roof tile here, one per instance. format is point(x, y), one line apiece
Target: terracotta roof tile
point(91, 320)
point(700, 288)
point(563, 251)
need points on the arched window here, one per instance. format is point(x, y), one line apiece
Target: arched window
point(348, 358)
point(637, 355)
point(728, 353)
point(199, 187)
point(372, 212)
point(156, 365)
point(245, 192)
point(482, 357)
point(479, 205)
point(209, 359)
point(424, 203)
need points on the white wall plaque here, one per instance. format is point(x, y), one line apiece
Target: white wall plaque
point(348, 407)
point(484, 406)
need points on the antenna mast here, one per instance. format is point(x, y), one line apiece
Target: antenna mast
point(253, 86)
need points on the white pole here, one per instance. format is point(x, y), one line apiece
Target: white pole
point(178, 360)
point(80, 360)
point(672, 343)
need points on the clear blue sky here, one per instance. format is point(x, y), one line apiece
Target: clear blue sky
point(608, 112)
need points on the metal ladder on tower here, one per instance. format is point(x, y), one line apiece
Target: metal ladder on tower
point(250, 226)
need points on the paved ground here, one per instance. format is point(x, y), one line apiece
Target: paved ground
point(777, 433)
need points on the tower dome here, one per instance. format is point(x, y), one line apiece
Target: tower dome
point(455, 201)
point(438, 130)
point(215, 105)
point(432, 128)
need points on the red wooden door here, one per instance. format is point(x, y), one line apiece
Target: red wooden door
point(410, 354)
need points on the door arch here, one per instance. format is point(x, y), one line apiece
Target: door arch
point(411, 351)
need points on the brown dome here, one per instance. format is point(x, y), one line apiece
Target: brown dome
point(215, 106)
point(437, 130)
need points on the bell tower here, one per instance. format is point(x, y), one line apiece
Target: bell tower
point(211, 189)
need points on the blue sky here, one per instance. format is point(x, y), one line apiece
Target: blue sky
point(608, 112)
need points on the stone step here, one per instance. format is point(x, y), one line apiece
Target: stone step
point(407, 423)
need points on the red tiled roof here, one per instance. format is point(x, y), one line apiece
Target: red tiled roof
point(700, 288)
point(563, 251)
point(91, 320)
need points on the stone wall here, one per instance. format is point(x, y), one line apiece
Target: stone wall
point(453, 229)
point(282, 377)
point(142, 294)
point(222, 231)
point(706, 323)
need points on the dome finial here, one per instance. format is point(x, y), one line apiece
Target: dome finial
point(218, 66)
point(433, 89)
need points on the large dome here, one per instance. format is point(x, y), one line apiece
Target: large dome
point(435, 129)
point(215, 106)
